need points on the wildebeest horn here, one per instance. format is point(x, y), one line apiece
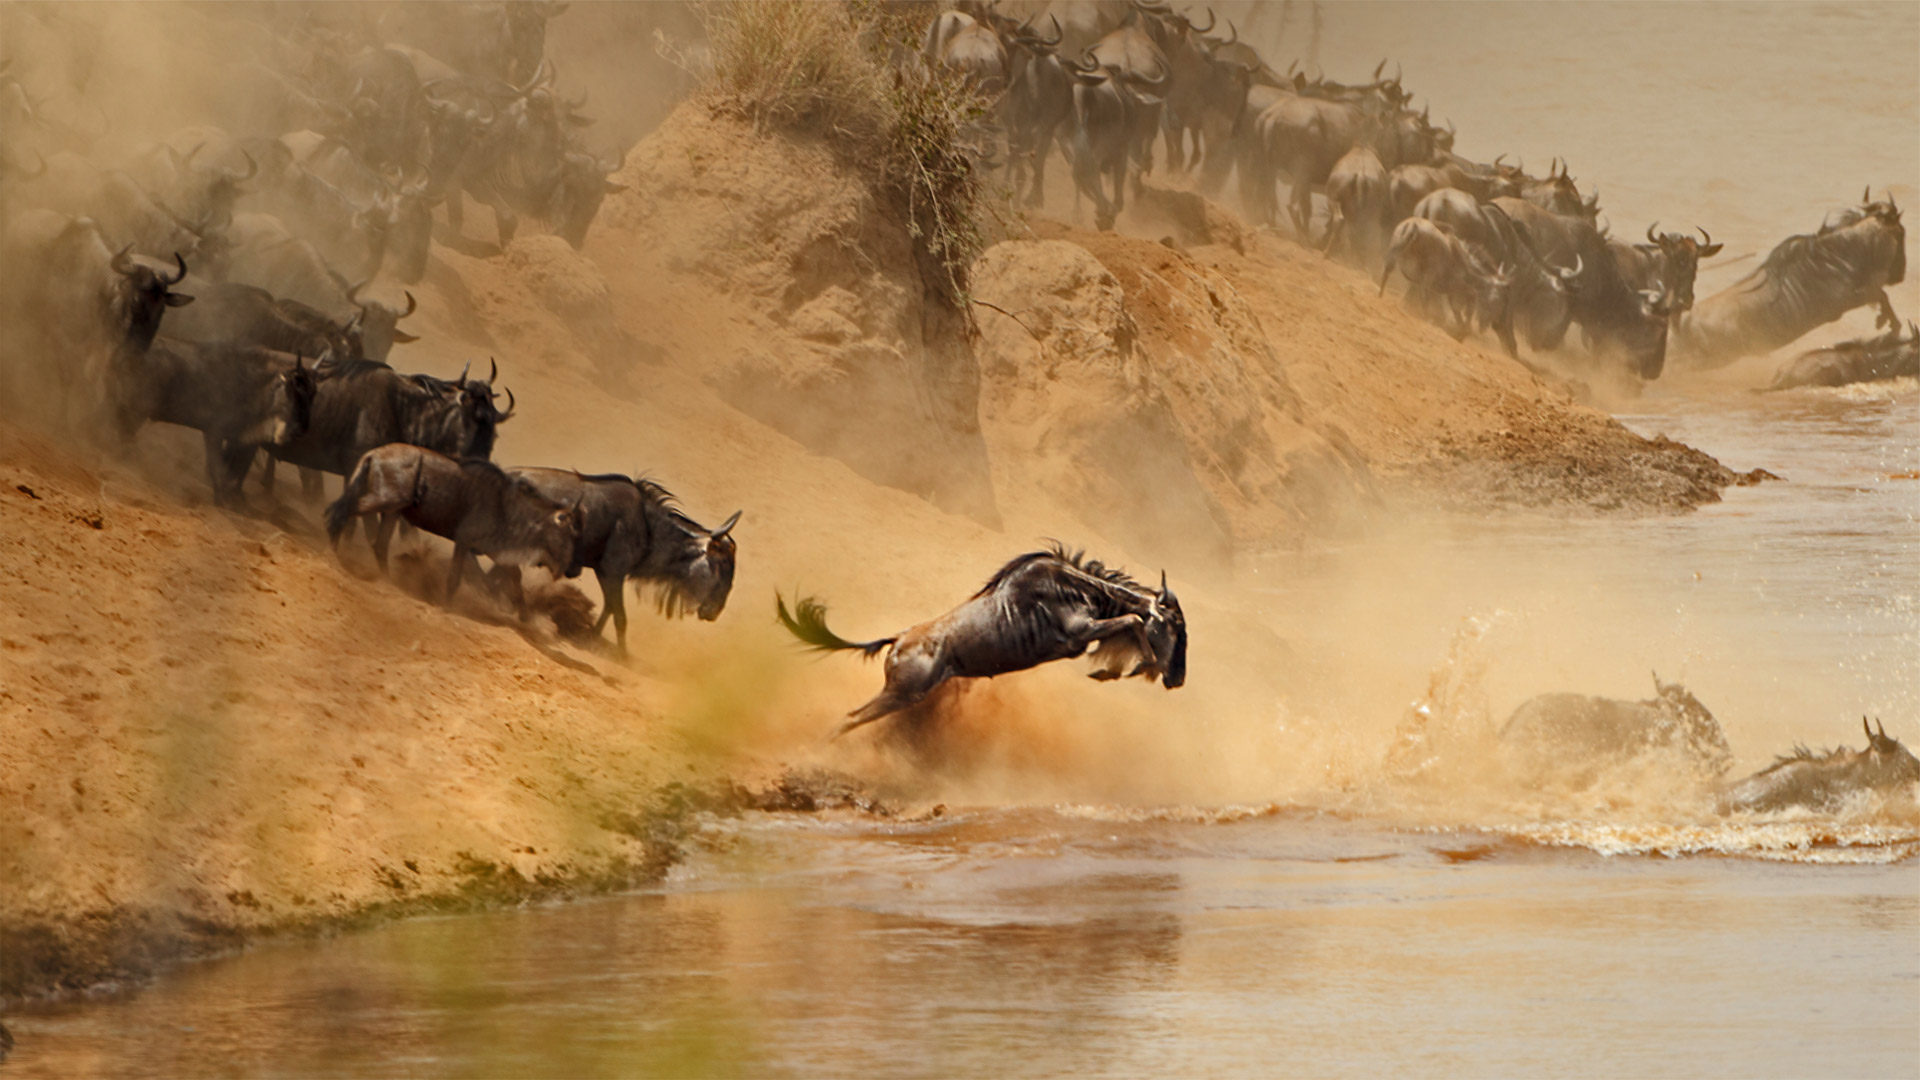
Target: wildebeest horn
point(178, 277)
point(494, 372)
point(462, 380)
point(1881, 726)
point(1058, 33)
point(412, 305)
point(1864, 727)
point(120, 263)
point(509, 413)
point(1200, 29)
point(1233, 33)
point(1378, 68)
point(1569, 275)
point(253, 169)
point(1866, 196)
point(1708, 237)
point(726, 526)
point(1651, 238)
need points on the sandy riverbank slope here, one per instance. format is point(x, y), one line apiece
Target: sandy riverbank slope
point(209, 727)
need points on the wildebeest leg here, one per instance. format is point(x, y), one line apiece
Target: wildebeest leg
point(1887, 319)
point(267, 469)
point(613, 604)
point(1335, 226)
point(216, 466)
point(910, 678)
point(1041, 148)
point(1102, 629)
point(461, 556)
point(505, 578)
point(238, 461)
point(382, 538)
point(313, 484)
point(1504, 330)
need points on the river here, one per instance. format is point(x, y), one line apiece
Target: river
point(1381, 920)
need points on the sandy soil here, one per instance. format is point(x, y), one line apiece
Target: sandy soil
point(213, 728)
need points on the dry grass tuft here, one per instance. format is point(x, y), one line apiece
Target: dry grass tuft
point(851, 72)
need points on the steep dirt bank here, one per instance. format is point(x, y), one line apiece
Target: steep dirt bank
point(213, 730)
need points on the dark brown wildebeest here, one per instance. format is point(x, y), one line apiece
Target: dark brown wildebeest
point(1451, 284)
point(1572, 736)
point(1042, 606)
point(1826, 781)
point(362, 405)
point(1672, 258)
point(241, 399)
point(1100, 142)
point(1614, 316)
point(1539, 300)
point(1039, 99)
point(1889, 356)
point(473, 503)
point(632, 529)
point(1136, 62)
point(77, 309)
point(1807, 281)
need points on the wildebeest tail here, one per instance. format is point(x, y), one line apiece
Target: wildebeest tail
point(808, 622)
point(339, 512)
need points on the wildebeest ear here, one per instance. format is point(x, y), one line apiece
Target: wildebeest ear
point(615, 188)
point(175, 299)
point(401, 337)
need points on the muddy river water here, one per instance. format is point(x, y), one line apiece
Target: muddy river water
point(1380, 927)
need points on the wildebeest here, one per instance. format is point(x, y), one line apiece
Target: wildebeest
point(362, 405)
point(632, 529)
point(125, 212)
point(1041, 606)
point(1451, 284)
point(1539, 294)
point(241, 399)
point(1039, 99)
point(1889, 356)
point(1574, 737)
point(471, 502)
point(1807, 281)
point(1357, 202)
point(1669, 258)
point(267, 255)
point(1616, 317)
point(957, 41)
point(1131, 56)
point(1826, 781)
point(75, 306)
point(1101, 139)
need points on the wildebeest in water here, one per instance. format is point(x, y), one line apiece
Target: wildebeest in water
point(1042, 606)
point(1825, 781)
point(472, 502)
point(1572, 736)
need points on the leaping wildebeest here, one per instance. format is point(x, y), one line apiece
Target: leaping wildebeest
point(1826, 781)
point(472, 502)
point(1807, 281)
point(1042, 606)
point(631, 529)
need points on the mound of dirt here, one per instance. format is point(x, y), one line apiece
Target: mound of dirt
point(834, 338)
point(210, 728)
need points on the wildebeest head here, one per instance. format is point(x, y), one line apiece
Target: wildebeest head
point(583, 185)
point(1680, 256)
point(479, 415)
point(374, 330)
point(146, 296)
point(1696, 727)
point(1167, 633)
point(288, 409)
point(1887, 762)
point(696, 568)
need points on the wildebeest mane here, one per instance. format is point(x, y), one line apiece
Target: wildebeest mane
point(1802, 753)
point(1059, 552)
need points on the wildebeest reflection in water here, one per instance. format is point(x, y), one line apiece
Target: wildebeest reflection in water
point(1824, 781)
point(1572, 737)
point(1042, 606)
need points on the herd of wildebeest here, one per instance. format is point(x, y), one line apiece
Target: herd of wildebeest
point(1482, 245)
point(249, 280)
